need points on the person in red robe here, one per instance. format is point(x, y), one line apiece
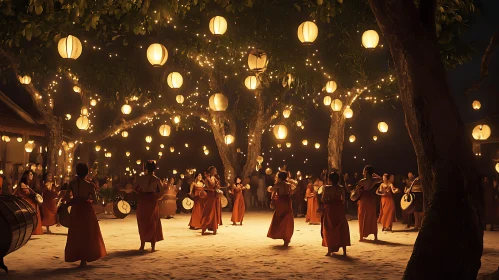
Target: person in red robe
point(84, 242)
point(367, 204)
point(387, 209)
point(149, 188)
point(334, 226)
point(197, 194)
point(313, 218)
point(282, 225)
point(24, 191)
point(239, 207)
point(212, 212)
point(49, 205)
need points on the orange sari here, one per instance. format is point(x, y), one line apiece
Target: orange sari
point(49, 208)
point(312, 206)
point(283, 223)
point(148, 219)
point(367, 214)
point(239, 207)
point(25, 194)
point(334, 227)
point(387, 211)
point(197, 209)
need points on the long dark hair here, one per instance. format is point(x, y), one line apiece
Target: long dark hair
point(25, 176)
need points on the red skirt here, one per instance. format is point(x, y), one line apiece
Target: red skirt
point(84, 241)
point(283, 223)
point(367, 214)
point(334, 229)
point(148, 220)
point(197, 212)
point(387, 212)
point(312, 206)
point(238, 209)
point(212, 212)
point(38, 230)
point(49, 208)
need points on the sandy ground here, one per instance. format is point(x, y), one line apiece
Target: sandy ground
point(236, 252)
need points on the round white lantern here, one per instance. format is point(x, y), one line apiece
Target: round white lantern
point(327, 100)
point(138, 161)
point(251, 82)
point(286, 113)
point(206, 152)
point(147, 148)
point(307, 32)
point(148, 139)
point(279, 145)
point(69, 47)
point(336, 105)
point(25, 80)
point(476, 105)
point(28, 147)
point(382, 127)
point(127, 154)
point(259, 159)
point(186, 145)
point(280, 131)
point(481, 132)
point(304, 142)
point(299, 123)
point(175, 80)
point(93, 102)
point(157, 54)
point(375, 138)
point(164, 130)
point(97, 148)
point(497, 167)
point(331, 86)
point(126, 109)
point(68, 117)
point(229, 139)
point(288, 145)
point(348, 113)
point(218, 25)
point(19, 139)
point(83, 123)
point(370, 39)
point(84, 111)
point(176, 119)
point(257, 60)
point(172, 149)
point(162, 146)
point(76, 89)
point(160, 153)
point(124, 134)
point(218, 102)
point(71, 145)
point(180, 99)
point(351, 138)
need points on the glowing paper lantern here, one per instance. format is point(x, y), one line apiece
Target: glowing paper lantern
point(257, 60)
point(331, 86)
point(351, 138)
point(148, 139)
point(327, 100)
point(172, 149)
point(180, 99)
point(162, 146)
point(124, 134)
point(164, 130)
point(279, 146)
point(28, 147)
point(127, 154)
point(84, 111)
point(83, 123)
point(336, 105)
point(19, 139)
point(259, 159)
point(76, 89)
point(286, 113)
point(288, 145)
point(71, 145)
point(108, 154)
point(317, 145)
point(157, 54)
point(97, 148)
point(304, 142)
point(175, 80)
point(25, 80)
point(375, 138)
point(69, 47)
point(160, 153)
point(383, 127)
point(229, 139)
point(497, 167)
point(138, 161)
point(307, 32)
point(218, 102)
point(204, 148)
point(481, 132)
point(126, 109)
point(348, 113)
point(176, 119)
point(186, 145)
point(299, 123)
point(268, 171)
point(93, 102)
point(174, 172)
point(370, 39)
point(476, 105)
point(280, 131)
point(6, 138)
point(218, 25)
point(251, 82)
point(147, 148)
point(68, 117)
point(206, 152)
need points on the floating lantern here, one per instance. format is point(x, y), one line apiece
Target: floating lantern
point(375, 138)
point(327, 100)
point(28, 147)
point(174, 172)
point(68, 117)
point(317, 145)
point(383, 127)
point(176, 119)
point(251, 82)
point(127, 154)
point(206, 152)
point(257, 60)
point(259, 159)
point(76, 89)
point(370, 39)
point(157, 54)
point(93, 102)
point(84, 111)
point(238, 150)
point(268, 171)
point(218, 25)
point(288, 145)
point(71, 145)
point(148, 139)
point(481, 132)
point(138, 161)
point(307, 32)
point(172, 149)
point(180, 99)
point(497, 167)
point(108, 154)
point(124, 134)
point(286, 113)
point(83, 123)
point(164, 130)
point(6, 138)
point(19, 139)
point(147, 148)
point(279, 146)
point(229, 139)
point(160, 153)
point(162, 146)
point(280, 131)
point(476, 105)
point(331, 86)
point(218, 102)
point(187, 145)
point(351, 138)
point(348, 113)
point(97, 148)
point(336, 105)
point(304, 142)
point(204, 148)
point(126, 109)
point(25, 80)
point(174, 80)
point(69, 47)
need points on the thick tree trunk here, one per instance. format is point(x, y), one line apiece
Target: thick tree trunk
point(54, 143)
point(335, 141)
point(450, 243)
point(255, 132)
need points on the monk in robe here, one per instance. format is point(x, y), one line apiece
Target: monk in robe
point(84, 243)
point(387, 209)
point(28, 194)
point(212, 212)
point(239, 207)
point(282, 225)
point(367, 204)
point(197, 194)
point(49, 205)
point(313, 218)
point(149, 189)
point(334, 227)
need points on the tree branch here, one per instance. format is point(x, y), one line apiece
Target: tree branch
point(484, 67)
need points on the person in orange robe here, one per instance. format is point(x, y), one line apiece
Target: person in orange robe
point(387, 209)
point(24, 191)
point(313, 218)
point(239, 207)
point(283, 223)
point(212, 211)
point(334, 226)
point(197, 194)
point(49, 205)
point(84, 243)
point(367, 204)
point(149, 188)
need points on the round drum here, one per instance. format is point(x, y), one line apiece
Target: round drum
point(407, 203)
point(63, 213)
point(187, 203)
point(121, 209)
point(18, 219)
point(224, 201)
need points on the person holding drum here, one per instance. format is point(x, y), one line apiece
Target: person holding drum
point(212, 211)
point(84, 243)
point(50, 199)
point(149, 188)
point(24, 191)
point(283, 223)
point(239, 207)
point(197, 194)
point(417, 190)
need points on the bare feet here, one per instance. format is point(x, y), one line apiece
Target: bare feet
point(83, 264)
point(329, 254)
point(375, 237)
point(142, 244)
point(286, 243)
point(234, 224)
point(242, 224)
point(344, 251)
